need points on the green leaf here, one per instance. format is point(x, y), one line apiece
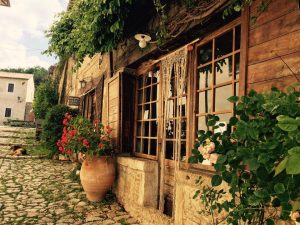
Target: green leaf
point(233, 121)
point(270, 222)
point(296, 205)
point(276, 202)
point(237, 8)
point(216, 180)
point(261, 193)
point(287, 123)
point(227, 177)
point(281, 166)
point(233, 99)
point(294, 150)
point(293, 165)
point(253, 200)
point(222, 159)
point(279, 188)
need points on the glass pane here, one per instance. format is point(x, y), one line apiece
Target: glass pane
point(146, 129)
point(183, 129)
point(205, 77)
point(138, 145)
point(223, 70)
point(139, 112)
point(170, 129)
point(236, 89)
point(223, 44)
point(153, 147)
point(202, 120)
point(139, 129)
point(221, 96)
point(205, 53)
point(237, 66)
point(145, 146)
point(173, 87)
point(169, 150)
point(146, 112)
point(183, 151)
point(170, 113)
point(154, 93)
point(153, 110)
point(140, 97)
point(148, 78)
point(182, 101)
point(237, 37)
point(205, 105)
point(140, 81)
point(147, 94)
point(224, 118)
point(153, 129)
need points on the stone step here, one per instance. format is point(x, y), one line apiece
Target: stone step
point(16, 135)
point(23, 130)
point(12, 141)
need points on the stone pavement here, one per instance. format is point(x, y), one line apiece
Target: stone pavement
point(38, 191)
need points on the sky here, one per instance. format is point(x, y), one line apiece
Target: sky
point(22, 37)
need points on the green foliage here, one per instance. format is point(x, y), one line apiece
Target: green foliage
point(39, 73)
point(45, 97)
point(259, 159)
point(81, 136)
point(53, 126)
point(90, 26)
point(93, 26)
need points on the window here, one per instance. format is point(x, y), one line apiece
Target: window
point(146, 125)
point(218, 62)
point(10, 87)
point(7, 112)
point(175, 103)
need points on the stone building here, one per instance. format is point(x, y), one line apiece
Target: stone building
point(156, 99)
point(16, 96)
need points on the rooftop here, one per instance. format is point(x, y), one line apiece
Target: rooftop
point(24, 76)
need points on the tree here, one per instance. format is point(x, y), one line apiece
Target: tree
point(39, 73)
point(45, 98)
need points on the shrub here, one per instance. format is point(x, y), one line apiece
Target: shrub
point(259, 160)
point(45, 97)
point(53, 126)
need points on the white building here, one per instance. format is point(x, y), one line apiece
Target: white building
point(16, 96)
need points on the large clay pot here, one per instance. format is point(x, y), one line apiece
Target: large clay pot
point(97, 175)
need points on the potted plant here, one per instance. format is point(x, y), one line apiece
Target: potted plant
point(91, 143)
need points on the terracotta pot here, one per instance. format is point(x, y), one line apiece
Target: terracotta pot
point(97, 175)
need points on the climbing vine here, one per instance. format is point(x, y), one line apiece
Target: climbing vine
point(93, 26)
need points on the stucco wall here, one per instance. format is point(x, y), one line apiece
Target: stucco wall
point(10, 99)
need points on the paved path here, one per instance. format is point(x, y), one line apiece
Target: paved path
point(38, 191)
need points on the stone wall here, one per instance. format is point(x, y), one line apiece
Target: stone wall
point(137, 190)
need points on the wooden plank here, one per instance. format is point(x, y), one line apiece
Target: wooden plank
point(281, 46)
point(276, 28)
point(244, 51)
point(280, 83)
point(274, 68)
point(276, 9)
point(170, 180)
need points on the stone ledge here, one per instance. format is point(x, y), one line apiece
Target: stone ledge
point(145, 165)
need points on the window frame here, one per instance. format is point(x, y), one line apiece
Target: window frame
point(13, 87)
point(193, 81)
point(6, 111)
point(158, 113)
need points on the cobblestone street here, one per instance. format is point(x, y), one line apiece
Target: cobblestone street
point(38, 191)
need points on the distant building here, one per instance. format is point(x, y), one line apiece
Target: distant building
point(16, 96)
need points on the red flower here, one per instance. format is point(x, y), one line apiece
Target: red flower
point(65, 121)
point(69, 152)
point(100, 145)
point(108, 129)
point(68, 116)
point(85, 142)
point(104, 138)
point(87, 147)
